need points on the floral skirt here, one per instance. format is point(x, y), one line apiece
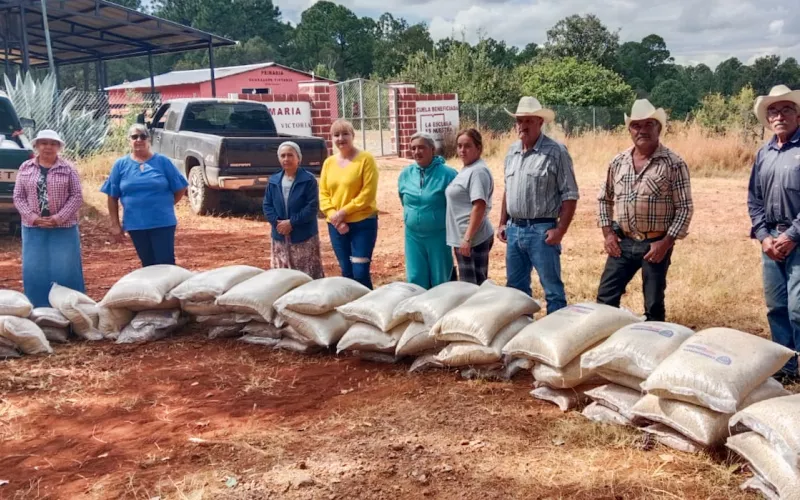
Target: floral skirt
point(303, 256)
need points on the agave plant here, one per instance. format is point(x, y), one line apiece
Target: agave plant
point(81, 118)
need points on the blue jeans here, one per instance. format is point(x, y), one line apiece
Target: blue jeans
point(354, 249)
point(782, 293)
point(526, 251)
point(155, 246)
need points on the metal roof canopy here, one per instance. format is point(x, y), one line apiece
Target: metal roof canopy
point(92, 31)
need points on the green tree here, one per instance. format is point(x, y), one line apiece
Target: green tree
point(395, 42)
point(254, 50)
point(584, 38)
point(574, 83)
point(528, 54)
point(645, 63)
point(675, 97)
point(718, 113)
point(730, 76)
point(499, 53)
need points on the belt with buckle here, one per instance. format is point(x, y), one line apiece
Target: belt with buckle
point(639, 236)
point(530, 222)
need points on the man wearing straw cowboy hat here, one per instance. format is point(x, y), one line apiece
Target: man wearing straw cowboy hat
point(773, 200)
point(645, 205)
point(538, 204)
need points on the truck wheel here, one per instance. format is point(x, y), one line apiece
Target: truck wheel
point(202, 199)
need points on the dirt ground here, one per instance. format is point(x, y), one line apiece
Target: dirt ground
point(190, 418)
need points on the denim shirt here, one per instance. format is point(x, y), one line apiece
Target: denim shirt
point(773, 196)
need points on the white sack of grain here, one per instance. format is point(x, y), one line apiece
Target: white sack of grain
point(321, 296)
point(13, 303)
point(8, 349)
point(673, 439)
point(48, 316)
point(208, 285)
point(377, 307)
point(25, 334)
point(81, 311)
point(55, 335)
point(701, 425)
point(468, 353)
point(620, 399)
point(768, 463)
point(377, 357)
point(227, 319)
point(564, 378)
point(760, 485)
point(717, 368)
point(424, 363)
point(622, 379)
point(778, 421)
point(416, 340)
point(202, 308)
point(146, 288)
point(560, 337)
point(149, 326)
point(113, 320)
point(258, 329)
point(497, 371)
point(292, 345)
point(637, 349)
point(323, 330)
point(259, 340)
point(225, 331)
point(565, 399)
point(430, 306)
point(369, 338)
point(258, 294)
point(484, 314)
point(604, 415)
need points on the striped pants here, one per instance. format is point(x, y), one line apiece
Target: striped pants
point(475, 268)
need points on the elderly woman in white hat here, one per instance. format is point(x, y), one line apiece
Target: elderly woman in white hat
point(291, 204)
point(539, 201)
point(773, 200)
point(47, 195)
point(645, 205)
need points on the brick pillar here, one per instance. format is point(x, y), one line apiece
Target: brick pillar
point(402, 116)
point(321, 120)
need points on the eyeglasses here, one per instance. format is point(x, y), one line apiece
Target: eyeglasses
point(784, 111)
point(139, 137)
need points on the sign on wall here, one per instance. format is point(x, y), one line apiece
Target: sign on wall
point(437, 117)
point(291, 117)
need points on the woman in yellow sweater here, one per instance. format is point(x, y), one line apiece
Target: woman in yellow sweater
point(348, 186)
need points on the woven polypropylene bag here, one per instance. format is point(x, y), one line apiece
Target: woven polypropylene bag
point(8, 349)
point(258, 294)
point(563, 378)
point(429, 307)
point(416, 340)
point(701, 425)
point(369, 338)
point(209, 285)
point(565, 399)
point(25, 334)
point(560, 337)
point(717, 368)
point(81, 311)
point(637, 349)
point(113, 320)
point(620, 399)
point(146, 288)
point(768, 463)
point(48, 316)
point(484, 314)
point(604, 415)
point(622, 379)
point(292, 345)
point(13, 303)
point(757, 483)
point(321, 296)
point(672, 438)
point(55, 335)
point(320, 329)
point(266, 330)
point(377, 307)
point(778, 421)
point(468, 353)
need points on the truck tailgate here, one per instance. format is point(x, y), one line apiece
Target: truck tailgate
point(259, 155)
point(10, 160)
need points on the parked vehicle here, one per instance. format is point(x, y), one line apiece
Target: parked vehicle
point(15, 149)
point(225, 145)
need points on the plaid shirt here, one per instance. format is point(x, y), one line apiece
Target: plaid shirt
point(63, 193)
point(657, 199)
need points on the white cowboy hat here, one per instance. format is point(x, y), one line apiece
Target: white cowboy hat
point(643, 110)
point(530, 106)
point(50, 135)
point(776, 94)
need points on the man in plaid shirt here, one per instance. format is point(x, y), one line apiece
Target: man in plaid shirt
point(645, 205)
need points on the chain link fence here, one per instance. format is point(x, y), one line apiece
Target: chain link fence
point(367, 105)
point(573, 120)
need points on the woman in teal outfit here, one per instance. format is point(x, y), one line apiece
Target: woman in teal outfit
point(429, 261)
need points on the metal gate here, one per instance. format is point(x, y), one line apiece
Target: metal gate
point(367, 105)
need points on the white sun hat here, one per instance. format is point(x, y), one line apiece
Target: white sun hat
point(778, 93)
point(530, 106)
point(643, 110)
point(50, 135)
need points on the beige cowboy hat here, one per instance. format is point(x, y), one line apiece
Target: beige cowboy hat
point(776, 94)
point(530, 106)
point(643, 110)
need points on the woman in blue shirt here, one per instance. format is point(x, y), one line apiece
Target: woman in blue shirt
point(291, 205)
point(422, 185)
point(149, 186)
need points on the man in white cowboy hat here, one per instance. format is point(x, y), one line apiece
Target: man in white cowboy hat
point(538, 204)
point(645, 206)
point(773, 200)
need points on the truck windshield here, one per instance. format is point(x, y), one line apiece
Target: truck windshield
point(8, 119)
point(211, 117)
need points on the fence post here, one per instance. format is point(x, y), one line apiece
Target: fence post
point(361, 112)
point(380, 125)
point(478, 116)
point(594, 119)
